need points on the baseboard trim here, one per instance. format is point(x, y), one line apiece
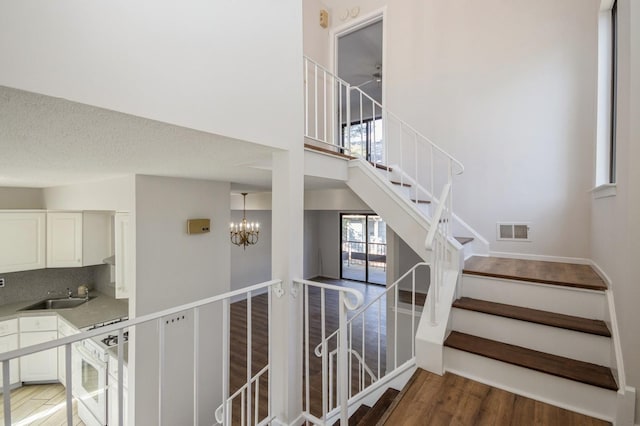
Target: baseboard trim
point(541, 257)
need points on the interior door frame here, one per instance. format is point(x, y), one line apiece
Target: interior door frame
point(354, 25)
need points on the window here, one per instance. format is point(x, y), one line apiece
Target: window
point(365, 139)
point(607, 88)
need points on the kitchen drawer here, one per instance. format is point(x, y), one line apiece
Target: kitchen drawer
point(65, 329)
point(39, 323)
point(8, 327)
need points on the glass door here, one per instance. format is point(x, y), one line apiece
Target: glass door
point(377, 250)
point(363, 248)
point(354, 247)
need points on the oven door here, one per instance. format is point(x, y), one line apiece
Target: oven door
point(90, 382)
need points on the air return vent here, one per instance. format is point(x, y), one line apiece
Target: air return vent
point(514, 231)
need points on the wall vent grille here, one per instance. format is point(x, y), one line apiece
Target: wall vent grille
point(513, 231)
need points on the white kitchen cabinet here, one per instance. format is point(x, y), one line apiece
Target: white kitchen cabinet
point(77, 239)
point(41, 366)
point(9, 342)
point(124, 255)
point(22, 240)
point(64, 330)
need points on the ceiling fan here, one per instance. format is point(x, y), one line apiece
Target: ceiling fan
point(375, 77)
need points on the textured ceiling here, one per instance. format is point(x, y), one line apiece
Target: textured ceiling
point(47, 141)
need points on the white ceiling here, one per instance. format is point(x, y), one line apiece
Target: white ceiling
point(47, 141)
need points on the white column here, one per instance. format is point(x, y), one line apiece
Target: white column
point(287, 264)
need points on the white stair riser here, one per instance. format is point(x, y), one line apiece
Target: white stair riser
point(575, 396)
point(468, 249)
point(557, 341)
point(565, 300)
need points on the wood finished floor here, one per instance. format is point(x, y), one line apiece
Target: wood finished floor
point(453, 400)
point(40, 405)
point(566, 274)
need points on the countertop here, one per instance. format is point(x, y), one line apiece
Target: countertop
point(100, 308)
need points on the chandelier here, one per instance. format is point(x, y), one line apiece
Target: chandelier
point(244, 233)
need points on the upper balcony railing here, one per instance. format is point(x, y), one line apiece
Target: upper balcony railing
point(343, 118)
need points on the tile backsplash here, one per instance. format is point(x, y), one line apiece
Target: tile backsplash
point(34, 285)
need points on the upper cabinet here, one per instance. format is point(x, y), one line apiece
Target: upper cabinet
point(22, 240)
point(77, 238)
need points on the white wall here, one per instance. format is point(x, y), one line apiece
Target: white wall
point(21, 198)
point(174, 268)
point(206, 65)
point(615, 229)
point(113, 194)
point(311, 249)
point(509, 88)
point(253, 265)
point(316, 38)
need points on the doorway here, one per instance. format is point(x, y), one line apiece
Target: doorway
point(363, 248)
point(359, 62)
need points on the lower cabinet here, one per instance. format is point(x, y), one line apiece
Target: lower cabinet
point(10, 343)
point(41, 366)
point(64, 330)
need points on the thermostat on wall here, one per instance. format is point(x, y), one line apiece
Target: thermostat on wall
point(198, 226)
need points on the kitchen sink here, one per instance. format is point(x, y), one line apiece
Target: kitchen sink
point(60, 303)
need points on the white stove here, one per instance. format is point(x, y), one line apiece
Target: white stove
point(90, 374)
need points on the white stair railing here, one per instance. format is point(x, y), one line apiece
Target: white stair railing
point(344, 119)
point(438, 248)
point(382, 359)
point(251, 409)
point(322, 294)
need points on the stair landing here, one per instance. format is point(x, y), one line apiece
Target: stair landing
point(430, 399)
point(556, 273)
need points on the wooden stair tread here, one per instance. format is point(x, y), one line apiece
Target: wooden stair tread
point(580, 371)
point(555, 273)
point(329, 151)
point(357, 416)
point(395, 182)
point(552, 319)
point(405, 296)
point(379, 408)
point(381, 166)
point(464, 240)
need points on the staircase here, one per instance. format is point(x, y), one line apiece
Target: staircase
point(545, 330)
point(370, 416)
point(537, 329)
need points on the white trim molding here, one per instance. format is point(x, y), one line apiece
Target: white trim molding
point(527, 256)
point(604, 190)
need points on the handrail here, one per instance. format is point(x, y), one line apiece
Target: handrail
point(435, 220)
point(157, 317)
point(219, 411)
point(318, 350)
point(349, 305)
point(355, 353)
point(16, 353)
point(386, 110)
